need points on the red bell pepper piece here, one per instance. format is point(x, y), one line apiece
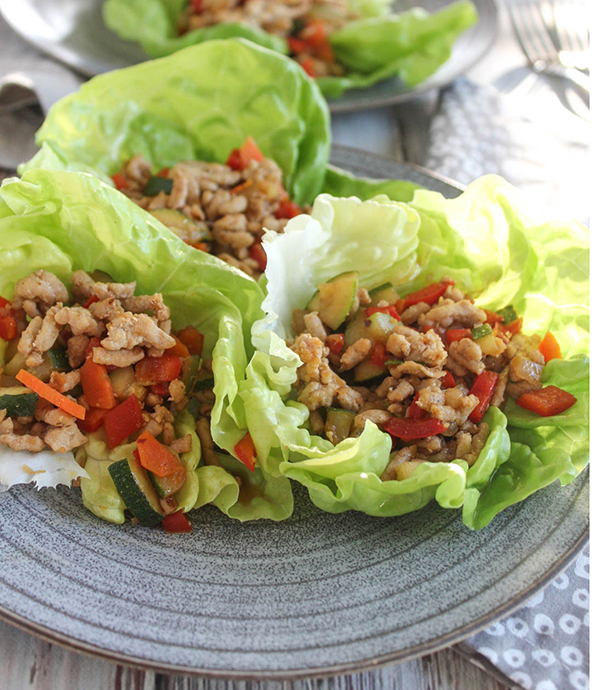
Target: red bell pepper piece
point(547, 401)
point(455, 334)
point(156, 457)
point(514, 327)
point(123, 420)
point(8, 327)
point(296, 45)
point(287, 209)
point(246, 451)
point(448, 380)
point(196, 6)
point(378, 355)
point(308, 65)
point(335, 342)
point(120, 181)
point(192, 339)
point(492, 318)
point(414, 411)
point(163, 172)
point(159, 389)
point(429, 294)
point(400, 306)
point(258, 253)
point(550, 348)
point(90, 301)
point(180, 349)
point(97, 388)
point(413, 429)
point(391, 310)
point(89, 350)
point(94, 419)
point(483, 388)
point(248, 151)
point(151, 370)
point(177, 522)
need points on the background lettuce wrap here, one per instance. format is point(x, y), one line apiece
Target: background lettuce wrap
point(495, 252)
point(62, 222)
point(379, 45)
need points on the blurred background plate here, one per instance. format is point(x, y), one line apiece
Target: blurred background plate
point(314, 595)
point(73, 32)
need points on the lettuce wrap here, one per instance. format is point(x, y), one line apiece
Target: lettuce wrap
point(377, 46)
point(488, 244)
point(62, 222)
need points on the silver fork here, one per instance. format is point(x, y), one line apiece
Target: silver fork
point(554, 37)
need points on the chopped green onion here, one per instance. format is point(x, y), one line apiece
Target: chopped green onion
point(481, 331)
point(393, 362)
point(508, 314)
point(155, 185)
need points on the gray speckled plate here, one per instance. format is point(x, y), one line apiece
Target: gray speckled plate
point(73, 32)
point(314, 595)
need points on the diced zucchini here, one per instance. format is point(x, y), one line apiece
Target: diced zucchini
point(356, 328)
point(205, 381)
point(155, 185)
point(384, 293)
point(481, 331)
point(190, 371)
point(135, 488)
point(508, 314)
point(407, 469)
point(59, 359)
point(42, 372)
point(168, 486)
point(18, 401)
point(393, 362)
point(366, 370)
point(380, 326)
point(15, 365)
point(489, 345)
point(183, 226)
point(122, 380)
point(338, 424)
point(335, 298)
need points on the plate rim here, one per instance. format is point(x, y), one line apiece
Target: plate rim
point(428, 647)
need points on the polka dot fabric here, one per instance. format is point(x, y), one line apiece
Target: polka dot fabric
point(545, 645)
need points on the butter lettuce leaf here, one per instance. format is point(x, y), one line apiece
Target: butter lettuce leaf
point(198, 104)
point(62, 222)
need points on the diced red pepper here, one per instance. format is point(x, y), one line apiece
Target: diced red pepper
point(287, 209)
point(196, 6)
point(89, 350)
point(177, 522)
point(547, 401)
point(162, 369)
point(483, 388)
point(192, 339)
point(400, 305)
point(448, 380)
point(179, 349)
point(4, 302)
point(246, 451)
point(258, 253)
point(550, 348)
point(413, 429)
point(163, 172)
point(296, 45)
point(123, 420)
point(414, 411)
point(378, 354)
point(201, 246)
point(159, 389)
point(248, 151)
point(514, 327)
point(90, 301)
point(429, 294)
point(308, 65)
point(335, 342)
point(391, 310)
point(94, 419)
point(8, 327)
point(492, 318)
point(156, 457)
point(120, 181)
point(455, 334)
point(235, 160)
point(97, 388)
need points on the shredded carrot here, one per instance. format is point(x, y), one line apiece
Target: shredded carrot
point(44, 391)
point(241, 187)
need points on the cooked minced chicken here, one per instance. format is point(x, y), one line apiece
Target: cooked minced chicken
point(424, 370)
point(222, 209)
point(306, 24)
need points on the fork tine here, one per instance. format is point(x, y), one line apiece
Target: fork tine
point(520, 32)
point(570, 22)
point(531, 33)
point(547, 13)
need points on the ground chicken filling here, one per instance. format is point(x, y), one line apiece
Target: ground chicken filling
point(424, 368)
point(105, 360)
point(221, 209)
point(305, 24)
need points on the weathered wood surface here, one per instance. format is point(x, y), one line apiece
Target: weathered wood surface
point(28, 663)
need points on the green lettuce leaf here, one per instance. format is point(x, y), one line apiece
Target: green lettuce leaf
point(341, 183)
point(412, 44)
point(62, 222)
point(198, 104)
point(488, 243)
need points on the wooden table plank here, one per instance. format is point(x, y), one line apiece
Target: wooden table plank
point(28, 663)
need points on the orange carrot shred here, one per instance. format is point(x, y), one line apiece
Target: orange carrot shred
point(44, 391)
